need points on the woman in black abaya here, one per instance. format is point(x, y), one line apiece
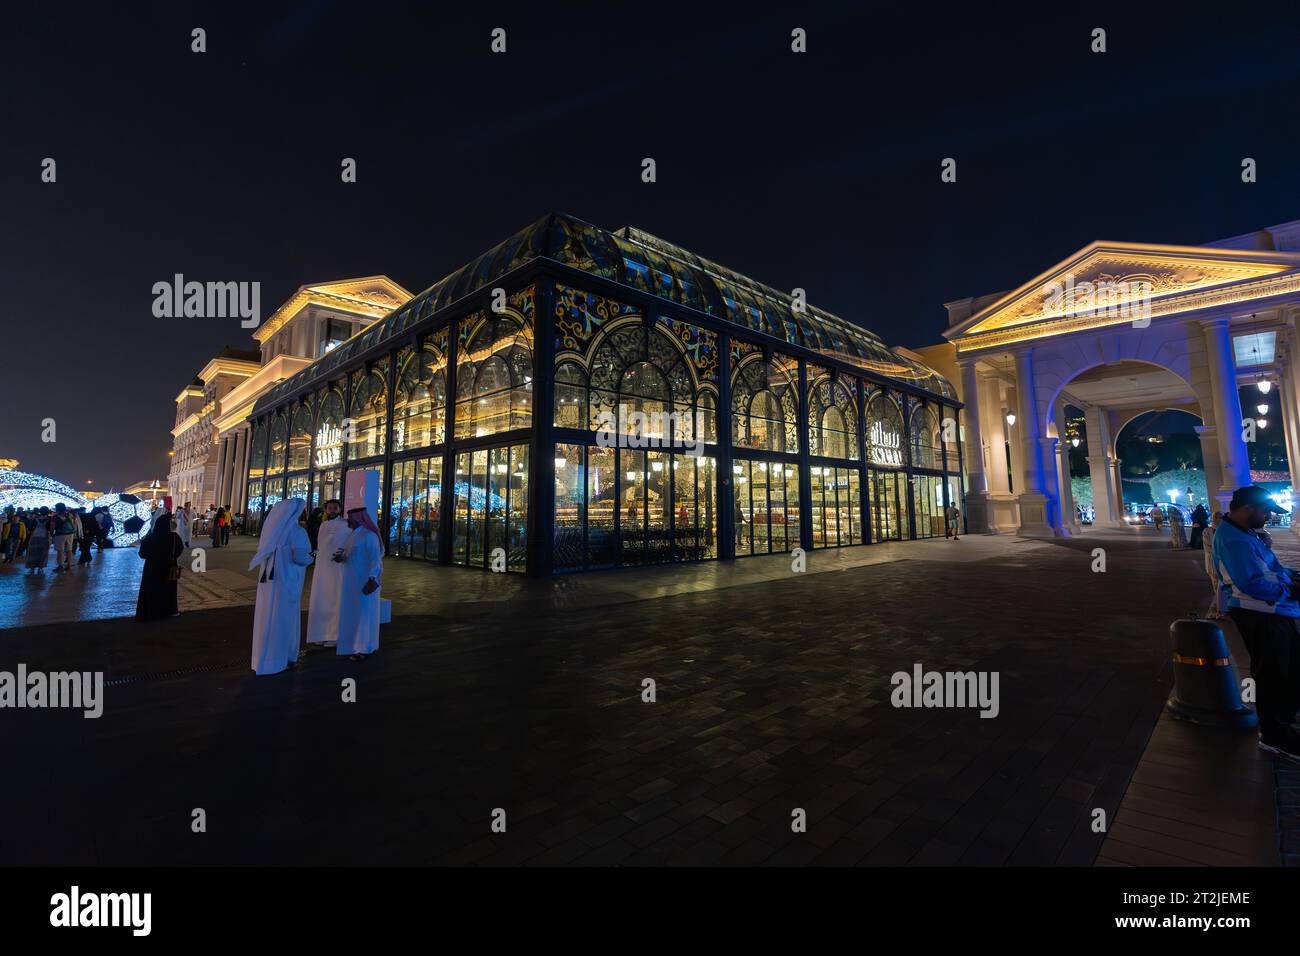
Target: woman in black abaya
point(159, 550)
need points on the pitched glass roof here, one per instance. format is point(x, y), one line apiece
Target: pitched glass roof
point(637, 259)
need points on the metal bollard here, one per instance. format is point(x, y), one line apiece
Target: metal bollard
point(1206, 689)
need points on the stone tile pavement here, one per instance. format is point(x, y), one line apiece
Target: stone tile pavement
point(773, 693)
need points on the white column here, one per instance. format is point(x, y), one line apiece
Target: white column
point(977, 498)
point(1068, 513)
point(1234, 459)
point(995, 435)
point(1036, 516)
point(974, 429)
point(241, 469)
point(223, 451)
point(1107, 509)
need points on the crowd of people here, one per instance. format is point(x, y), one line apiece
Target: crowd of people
point(30, 533)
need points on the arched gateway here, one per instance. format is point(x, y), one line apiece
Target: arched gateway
point(1117, 329)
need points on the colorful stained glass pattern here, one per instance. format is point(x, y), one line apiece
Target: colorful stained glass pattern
point(580, 315)
point(701, 347)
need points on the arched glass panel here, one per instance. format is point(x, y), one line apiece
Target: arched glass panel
point(300, 439)
point(570, 396)
point(925, 438)
point(832, 420)
point(369, 413)
point(279, 444)
point(494, 376)
point(257, 452)
point(764, 406)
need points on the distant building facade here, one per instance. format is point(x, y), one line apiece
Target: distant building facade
point(210, 440)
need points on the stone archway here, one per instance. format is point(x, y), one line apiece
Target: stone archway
point(1110, 394)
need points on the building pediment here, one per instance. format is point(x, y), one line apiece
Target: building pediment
point(1109, 283)
point(371, 296)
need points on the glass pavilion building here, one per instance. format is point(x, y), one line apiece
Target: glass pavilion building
point(578, 399)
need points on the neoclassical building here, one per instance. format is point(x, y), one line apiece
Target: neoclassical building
point(193, 473)
point(577, 399)
point(1118, 329)
point(211, 437)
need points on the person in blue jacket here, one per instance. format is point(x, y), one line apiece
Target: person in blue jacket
point(1262, 601)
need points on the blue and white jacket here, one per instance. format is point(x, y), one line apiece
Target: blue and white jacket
point(1252, 576)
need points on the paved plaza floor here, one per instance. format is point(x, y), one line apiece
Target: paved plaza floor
point(491, 691)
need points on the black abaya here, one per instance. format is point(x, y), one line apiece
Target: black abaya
point(157, 593)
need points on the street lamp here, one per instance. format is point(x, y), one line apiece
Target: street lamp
point(1011, 418)
point(1262, 422)
point(1074, 442)
point(1264, 385)
point(1262, 408)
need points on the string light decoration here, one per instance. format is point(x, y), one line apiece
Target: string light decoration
point(131, 518)
point(24, 490)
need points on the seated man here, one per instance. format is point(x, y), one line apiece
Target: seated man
point(1261, 600)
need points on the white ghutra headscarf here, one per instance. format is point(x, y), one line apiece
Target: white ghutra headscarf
point(279, 524)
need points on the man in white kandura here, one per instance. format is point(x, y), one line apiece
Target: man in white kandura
point(327, 576)
point(362, 568)
point(184, 522)
point(283, 553)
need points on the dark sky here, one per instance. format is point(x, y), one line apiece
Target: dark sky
point(818, 170)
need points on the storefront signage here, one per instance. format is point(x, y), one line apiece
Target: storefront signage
point(886, 445)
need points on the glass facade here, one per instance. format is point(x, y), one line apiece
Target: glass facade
point(685, 413)
point(490, 521)
point(414, 523)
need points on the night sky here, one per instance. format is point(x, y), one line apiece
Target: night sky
point(818, 170)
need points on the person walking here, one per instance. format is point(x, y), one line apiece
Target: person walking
point(218, 521)
point(38, 542)
point(1157, 517)
point(86, 536)
point(225, 527)
point(65, 533)
point(1177, 534)
point(1216, 600)
point(12, 536)
point(1200, 520)
point(159, 551)
point(951, 521)
point(1262, 602)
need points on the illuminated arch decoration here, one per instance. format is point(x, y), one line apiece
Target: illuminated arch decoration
point(22, 489)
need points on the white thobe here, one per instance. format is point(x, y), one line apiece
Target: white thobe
point(277, 618)
point(359, 613)
point(327, 582)
point(183, 526)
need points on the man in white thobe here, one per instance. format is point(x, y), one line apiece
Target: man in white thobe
point(283, 554)
point(327, 576)
point(359, 606)
point(184, 521)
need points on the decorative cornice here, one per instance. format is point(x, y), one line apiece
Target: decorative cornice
point(1102, 318)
